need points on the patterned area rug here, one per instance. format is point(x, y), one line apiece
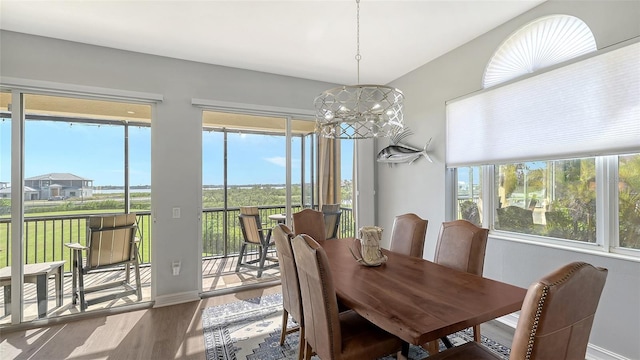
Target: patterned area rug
point(250, 329)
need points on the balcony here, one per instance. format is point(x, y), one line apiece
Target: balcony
point(45, 238)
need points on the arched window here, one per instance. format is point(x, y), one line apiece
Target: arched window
point(543, 42)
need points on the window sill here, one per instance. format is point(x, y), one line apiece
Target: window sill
point(567, 245)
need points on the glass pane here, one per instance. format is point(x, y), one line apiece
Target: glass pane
point(552, 198)
point(5, 179)
point(140, 168)
point(629, 200)
point(309, 171)
point(469, 195)
point(347, 221)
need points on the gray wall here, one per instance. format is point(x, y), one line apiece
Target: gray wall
point(176, 130)
point(420, 187)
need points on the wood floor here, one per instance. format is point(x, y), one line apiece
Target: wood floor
point(171, 332)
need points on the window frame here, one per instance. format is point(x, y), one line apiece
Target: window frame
point(607, 219)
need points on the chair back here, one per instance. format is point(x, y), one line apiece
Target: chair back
point(310, 222)
point(250, 224)
point(319, 303)
point(461, 246)
point(111, 240)
point(332, 214)
point(557, 314)
point(469, 211)
point(407, 235)
point(288, 273)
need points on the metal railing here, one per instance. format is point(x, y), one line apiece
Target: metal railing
point(45, 236)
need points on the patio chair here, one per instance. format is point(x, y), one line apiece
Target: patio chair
point(255, 234)
point(332, 216)
point(111, 243)
point(515, 218)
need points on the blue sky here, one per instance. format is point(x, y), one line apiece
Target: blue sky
point(96, 153)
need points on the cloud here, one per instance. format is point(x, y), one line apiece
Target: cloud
point(278, 160)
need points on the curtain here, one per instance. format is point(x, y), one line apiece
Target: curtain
point(328, 171)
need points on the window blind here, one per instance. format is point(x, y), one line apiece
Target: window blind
point(587, 108)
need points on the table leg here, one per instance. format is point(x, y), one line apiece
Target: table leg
point(404, 350)
point(42, 294)
point(59, 286)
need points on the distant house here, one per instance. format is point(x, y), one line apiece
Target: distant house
point(57, 186)
point(29, 193)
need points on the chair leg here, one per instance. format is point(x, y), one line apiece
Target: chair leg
point(83, 304)
point(285, 317)
point(432, 347)
point(476, 334)
point(138, 284)
point(242, 249)
point(307, 351)
point(263, 257)
point(302, 344)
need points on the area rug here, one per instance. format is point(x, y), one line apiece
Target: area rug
point(250, 329)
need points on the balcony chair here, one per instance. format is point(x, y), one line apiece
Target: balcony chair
point(332, 214)
point(291, 303)
point(555, 321)
point(407, 235)
point(111, 243)
point(461, 245)
point(310, 222)
point(329, 333)
point(515, 218)
point(254, 233)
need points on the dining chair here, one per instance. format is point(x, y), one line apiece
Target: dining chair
point(332, 214)
point(254, 233)
point(111, 243)
point(329, 333)
point(461, 245)
point(310, 222)
point(555, 321)
point(407, 235)
point(291, 303)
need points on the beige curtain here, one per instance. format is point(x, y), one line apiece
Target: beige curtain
point(328, 171)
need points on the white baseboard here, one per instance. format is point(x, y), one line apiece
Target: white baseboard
point(593, 352)
point(598, 353)
point(178, 298)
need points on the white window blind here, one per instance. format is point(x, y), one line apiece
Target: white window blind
point(591, 107)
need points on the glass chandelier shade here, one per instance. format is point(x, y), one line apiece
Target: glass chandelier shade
point(359, 111)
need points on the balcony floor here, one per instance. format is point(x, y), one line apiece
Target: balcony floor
point(217, 274)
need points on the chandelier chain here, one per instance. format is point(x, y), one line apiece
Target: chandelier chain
point(358, 56)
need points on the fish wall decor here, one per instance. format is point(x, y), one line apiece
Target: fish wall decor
point(398, 153)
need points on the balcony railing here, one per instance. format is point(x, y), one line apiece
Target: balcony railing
point(45, 236)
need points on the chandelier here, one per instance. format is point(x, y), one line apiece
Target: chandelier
point(359, 111)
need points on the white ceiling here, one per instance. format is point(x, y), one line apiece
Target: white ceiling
point(307, 39)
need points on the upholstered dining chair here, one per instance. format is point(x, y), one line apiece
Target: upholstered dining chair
point(310, 222)
point(555, 321)
point(291, 303)
point(407, 235)
point(254, 233)
point(332, 214)
point(461, 245)
point(328, 333)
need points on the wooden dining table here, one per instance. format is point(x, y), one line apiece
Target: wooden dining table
point(416, 299)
